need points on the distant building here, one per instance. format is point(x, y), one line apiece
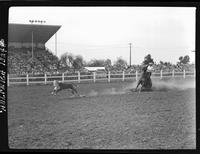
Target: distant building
point(95, 69)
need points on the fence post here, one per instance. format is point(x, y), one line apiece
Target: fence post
point(123, 76)
point(184, 74)
point(8, 83)
point(45, 78)
point(27, 79)
point(173, 73)
point(63, 77)
point(94, 76)
point(161, 75)
point(109, 76)
point(79, 78)
point(136, 75)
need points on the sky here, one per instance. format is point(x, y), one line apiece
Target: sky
point(105, 32)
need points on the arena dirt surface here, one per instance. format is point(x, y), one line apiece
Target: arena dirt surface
point(109, 117)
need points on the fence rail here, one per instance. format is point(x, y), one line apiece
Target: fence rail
point(92, 77)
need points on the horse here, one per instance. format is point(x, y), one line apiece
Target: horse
point(144, 81)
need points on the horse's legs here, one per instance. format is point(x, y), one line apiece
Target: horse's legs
point(139, 82)
point(56, 90)
point(74, 91)
point(140, 89)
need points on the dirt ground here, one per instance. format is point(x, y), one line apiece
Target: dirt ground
point(109, 117)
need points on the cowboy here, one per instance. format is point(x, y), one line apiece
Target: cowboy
point(150, 68)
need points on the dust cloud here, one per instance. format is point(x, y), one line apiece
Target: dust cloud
point(173, 85)
point(158, 85)
point(109, 91)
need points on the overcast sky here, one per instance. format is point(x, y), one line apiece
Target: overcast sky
point(105, 32)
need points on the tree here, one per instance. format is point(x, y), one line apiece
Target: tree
point(186, 59)
point(161, 63)
point(120, 64)
point(71, 59)
point(107, 64)
point(183, 60)
point(66, 61)
point(78, 62)
point(147, 60)
point(180, 59)
point(96, 63)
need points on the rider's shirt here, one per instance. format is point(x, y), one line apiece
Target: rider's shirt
point(149, 69)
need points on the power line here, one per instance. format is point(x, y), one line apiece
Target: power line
point(89, 45)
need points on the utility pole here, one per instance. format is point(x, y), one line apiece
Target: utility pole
point(56, 44)
point(130, 53)
point(32, 44)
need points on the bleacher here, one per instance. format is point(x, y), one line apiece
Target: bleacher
point(21, 39)
point(20, 61)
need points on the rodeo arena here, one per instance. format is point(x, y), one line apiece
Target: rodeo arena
point(51, 106)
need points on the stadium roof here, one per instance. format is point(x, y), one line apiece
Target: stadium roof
point(23, 32)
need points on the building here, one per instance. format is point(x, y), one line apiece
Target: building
point(26, 48)
point(95, 69)
point(30, 35)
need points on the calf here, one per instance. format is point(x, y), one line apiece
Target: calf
point(58, 86)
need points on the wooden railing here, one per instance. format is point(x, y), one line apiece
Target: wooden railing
point(45, 79)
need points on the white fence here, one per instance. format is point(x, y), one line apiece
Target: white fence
point(45, 79)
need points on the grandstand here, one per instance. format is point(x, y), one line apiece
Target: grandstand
point(26, 49)
point(27, 53)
